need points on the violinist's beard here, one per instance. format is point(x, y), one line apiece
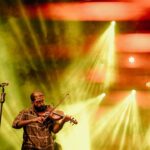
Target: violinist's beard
point(41, 108)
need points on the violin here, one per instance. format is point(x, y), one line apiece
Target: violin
point(52, 113)
point(56, 115)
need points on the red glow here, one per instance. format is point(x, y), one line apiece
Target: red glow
point(144, 3)
point(97, 76)
point(133, 42)
point(141, 61)
point(89, 11)
point(141, 97)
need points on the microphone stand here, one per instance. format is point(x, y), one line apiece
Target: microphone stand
point(2, 100)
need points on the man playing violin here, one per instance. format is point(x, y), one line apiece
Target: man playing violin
point(38, 129)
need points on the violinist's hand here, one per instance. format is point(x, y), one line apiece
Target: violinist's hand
point(39, 119)
point(66, 118)
point(71, 119)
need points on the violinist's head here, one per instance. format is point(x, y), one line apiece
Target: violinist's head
point(38, 101)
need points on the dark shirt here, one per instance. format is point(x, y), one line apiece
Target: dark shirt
point(36, 136)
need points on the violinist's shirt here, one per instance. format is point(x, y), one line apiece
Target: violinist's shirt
point(36, 136)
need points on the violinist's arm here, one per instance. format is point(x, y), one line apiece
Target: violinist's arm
point(22, 123)
point(21, 120)
point(59, 125)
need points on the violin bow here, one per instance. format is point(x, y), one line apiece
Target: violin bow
point(59, 102)
point(74, 121)
point(47, 115)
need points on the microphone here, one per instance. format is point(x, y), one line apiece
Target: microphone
point(4, 84)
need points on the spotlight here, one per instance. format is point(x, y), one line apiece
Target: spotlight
point(101, 96)
point(133, 92)
point(131, 59)
point(148, 84)
point(113, 23)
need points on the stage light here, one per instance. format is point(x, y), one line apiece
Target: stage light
point(123, 121)
point(113, 23)
point(133, 92)
point(104, 47)
point(131, 59)
point(100, 56)
point(101, 96)
point(84, 112)
point(148, 84)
